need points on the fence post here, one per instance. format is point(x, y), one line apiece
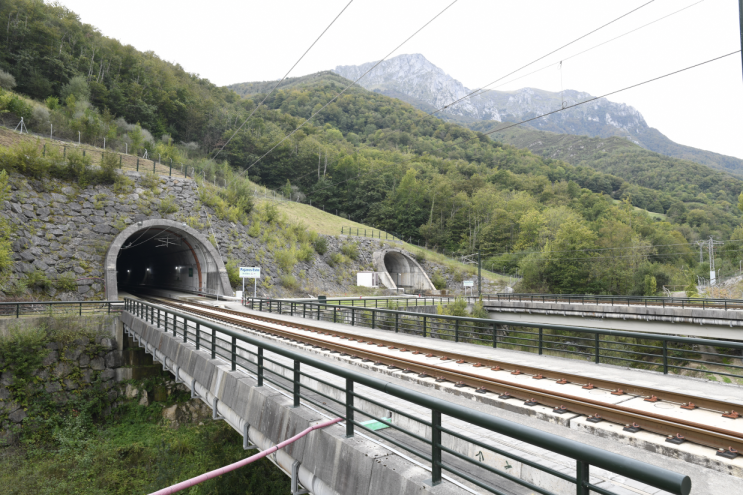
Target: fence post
point(353, 316)
point(581, 478)
point(374, 315)
point(424, 327)
point(495, 337)
point(335, 311)
point(304, 310)
point(260, 366)
point(596, 347)
point(137, 164)
point(665, 357)
point(397, 321)
point(233, 357)
point(296, 383)
point(198, 336)
point(349, 408)
point(214, 343)
point(541, 339)
point(435, 447)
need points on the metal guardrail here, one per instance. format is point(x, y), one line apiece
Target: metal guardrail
point(59, 308)
point(431, 447)
point(684, 302)
point(660, 352)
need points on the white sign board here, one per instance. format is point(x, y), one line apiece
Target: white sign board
point(250, 272)
point(468, 283)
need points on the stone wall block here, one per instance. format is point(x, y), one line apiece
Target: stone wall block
point(84, 361)
point(51, 358)
point(114, 359)
point(107, 375)
point(73, 353)
point(62, 369)
point(98, 364)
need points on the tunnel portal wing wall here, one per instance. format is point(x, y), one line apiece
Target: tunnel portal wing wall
point(196, 266)
point(397, 269)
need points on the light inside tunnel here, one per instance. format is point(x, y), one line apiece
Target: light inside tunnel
point(162, 257)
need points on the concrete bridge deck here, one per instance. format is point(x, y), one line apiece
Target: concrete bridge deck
point(710, 322)
point(709, 475)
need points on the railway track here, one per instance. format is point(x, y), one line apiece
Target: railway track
point(483, 376)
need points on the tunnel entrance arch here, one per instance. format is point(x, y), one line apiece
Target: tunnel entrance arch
point(398, 270)
point(165, 254)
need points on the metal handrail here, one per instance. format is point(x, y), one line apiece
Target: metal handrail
point(692, 302)
point(37, 307)
point(590, 342)
point(584, 455)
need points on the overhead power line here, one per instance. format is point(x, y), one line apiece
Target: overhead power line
point(351, 84)
point(541, 58)
point(586, 50)
point(281, 80)
point(609, 94)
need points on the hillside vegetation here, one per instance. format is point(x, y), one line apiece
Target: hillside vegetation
point(379, 161)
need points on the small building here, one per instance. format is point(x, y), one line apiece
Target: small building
point(367, 279)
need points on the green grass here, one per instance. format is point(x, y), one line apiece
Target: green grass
point(651, 214)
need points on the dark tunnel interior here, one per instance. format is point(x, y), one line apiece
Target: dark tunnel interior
point(159, 257)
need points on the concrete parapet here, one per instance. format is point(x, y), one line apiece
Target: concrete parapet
point(330, 462)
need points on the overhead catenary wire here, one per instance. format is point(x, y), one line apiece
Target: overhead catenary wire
point(473, 93)
point(281, 80)
point(608, 94)
point(565, 59)
point(351, 84)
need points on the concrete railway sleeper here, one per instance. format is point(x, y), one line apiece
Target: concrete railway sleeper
point(718, 438)
point(430, 435)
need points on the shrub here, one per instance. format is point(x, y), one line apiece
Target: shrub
point(233, 273)
point(336, 259)
point(7, 81)
point(419, 256)
point(38, 280)
point(271, 212)
point(6, 253)
point(66, 283)
point(321, 245)
point(123, 184)
point(168, 205)
point(255, 228)
point(149, 181)
point(286, 259)
point(289, 281)
point(306, 252)
point(109, 165)
point(438, 281)
point(351, 250)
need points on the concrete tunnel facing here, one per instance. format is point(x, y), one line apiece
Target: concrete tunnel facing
point(161, 253)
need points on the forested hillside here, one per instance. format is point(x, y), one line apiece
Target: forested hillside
point(377, 160)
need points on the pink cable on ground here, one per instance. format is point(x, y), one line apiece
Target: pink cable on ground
point(226, 469)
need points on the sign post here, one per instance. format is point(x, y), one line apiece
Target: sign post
point(253, 272)
point(468, 283)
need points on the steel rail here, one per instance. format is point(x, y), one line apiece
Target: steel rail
point(628, 388)
point(717, 438)
point(586, 456)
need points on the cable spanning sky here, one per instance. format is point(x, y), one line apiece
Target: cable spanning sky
point(476, 41)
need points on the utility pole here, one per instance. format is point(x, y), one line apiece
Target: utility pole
point(702, 243)
point(479, 270)
point(711, 246)
point(740, 12)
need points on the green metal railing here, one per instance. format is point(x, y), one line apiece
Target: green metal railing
point(683, 302)
point(443, 453)
point(659, 352)
point(59, 308)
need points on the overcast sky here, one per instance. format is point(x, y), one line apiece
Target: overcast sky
point(475, 41)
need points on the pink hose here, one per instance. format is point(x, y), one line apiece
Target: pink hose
point(231, 467)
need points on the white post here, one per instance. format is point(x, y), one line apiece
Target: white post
point(78, 138)
point(104, 143)
point(51, 131)
point(126, 148)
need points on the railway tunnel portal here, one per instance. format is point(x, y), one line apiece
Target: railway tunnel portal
point(159, 253)
point(398, 270)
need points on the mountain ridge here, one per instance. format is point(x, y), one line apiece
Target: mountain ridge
point(414, 79)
